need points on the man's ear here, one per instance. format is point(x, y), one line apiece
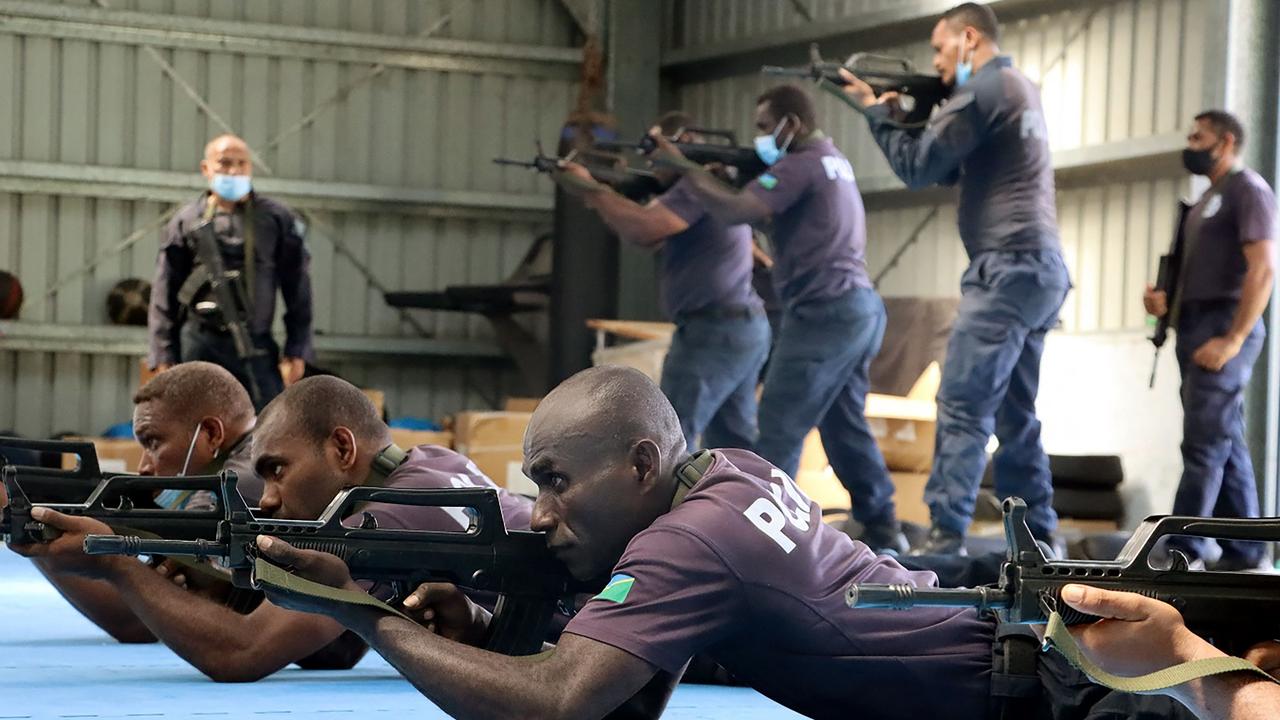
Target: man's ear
point(345, 448)
point(204, 168)
point(646, 461)
point(216, 430)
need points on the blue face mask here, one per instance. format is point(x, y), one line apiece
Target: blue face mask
point(767, 145)
point(231, 188)
point(964, 70)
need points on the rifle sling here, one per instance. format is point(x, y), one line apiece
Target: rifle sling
point(273, 578)
point(268, 576)
point(689, 473)
point(1059, 637)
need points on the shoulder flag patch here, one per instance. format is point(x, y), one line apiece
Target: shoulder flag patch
point(768, 181)
point(617, 590)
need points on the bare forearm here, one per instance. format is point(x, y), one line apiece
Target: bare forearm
point(1233, 697)
point(465, 682)
point(218, 641)
point(626, 218)
point(101, 603)
point(725, 203)
point(1254, 295)
point(471, 683)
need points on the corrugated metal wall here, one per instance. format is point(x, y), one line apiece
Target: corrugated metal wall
point(1133, 74)
point(428, 123)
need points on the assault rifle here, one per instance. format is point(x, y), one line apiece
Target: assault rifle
point(227, 303)
point(741, 163)
point(631, 182)
point(517, 565)
point(1232, 609)
point(45, 484)
point(920, 93)
point(1168, 273)
point(124, 502)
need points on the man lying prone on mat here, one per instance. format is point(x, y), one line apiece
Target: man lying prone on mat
point(319, 436)
point(195, 419)
point(719, 553)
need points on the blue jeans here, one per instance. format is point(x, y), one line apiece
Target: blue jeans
point(710, 377)
point(1009, 300)
point(197, 342)
point(1217, 472)
point(818, 376)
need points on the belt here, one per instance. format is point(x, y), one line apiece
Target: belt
point(740, 312)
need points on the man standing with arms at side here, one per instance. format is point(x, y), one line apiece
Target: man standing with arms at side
point(989, 138)
point(1228, 268)
point(722, 334)
point(834, 320)
point(257, 237)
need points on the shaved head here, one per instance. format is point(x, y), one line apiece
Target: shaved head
point(602, 448)
point(224, 142)
point(616, 406)
point(193, 390)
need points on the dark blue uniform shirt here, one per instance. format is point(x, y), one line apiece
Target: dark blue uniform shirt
point(990, 138)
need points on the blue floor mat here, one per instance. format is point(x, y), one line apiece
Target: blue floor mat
point(55, 664)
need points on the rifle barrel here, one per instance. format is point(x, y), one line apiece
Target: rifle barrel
point(133, 545)
point(904, 597)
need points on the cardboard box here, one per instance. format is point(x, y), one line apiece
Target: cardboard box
point(817, 480)
point(521, 404)
point(114, 455)
point(412, 438)
point(379, 400)
point(905, 427)
point(494, 441)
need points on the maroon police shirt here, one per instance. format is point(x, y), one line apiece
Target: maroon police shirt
point(432, 466)
point(745, 571)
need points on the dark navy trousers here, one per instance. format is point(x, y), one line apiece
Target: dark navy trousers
point(710, 376)
point(818, 375)
point(198, 342)
point(1009, 301)
point(1217, 472)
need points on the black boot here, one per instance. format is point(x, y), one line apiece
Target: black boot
point(942, 541)
point(885, 538)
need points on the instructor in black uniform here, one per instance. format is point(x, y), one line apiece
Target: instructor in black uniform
point(184, 325)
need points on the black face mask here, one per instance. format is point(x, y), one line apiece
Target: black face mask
point(1198, 162)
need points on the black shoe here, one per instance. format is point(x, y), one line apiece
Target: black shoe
point(885, 538)
point(942, 541)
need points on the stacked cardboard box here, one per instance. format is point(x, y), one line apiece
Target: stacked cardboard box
point(495, 442)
